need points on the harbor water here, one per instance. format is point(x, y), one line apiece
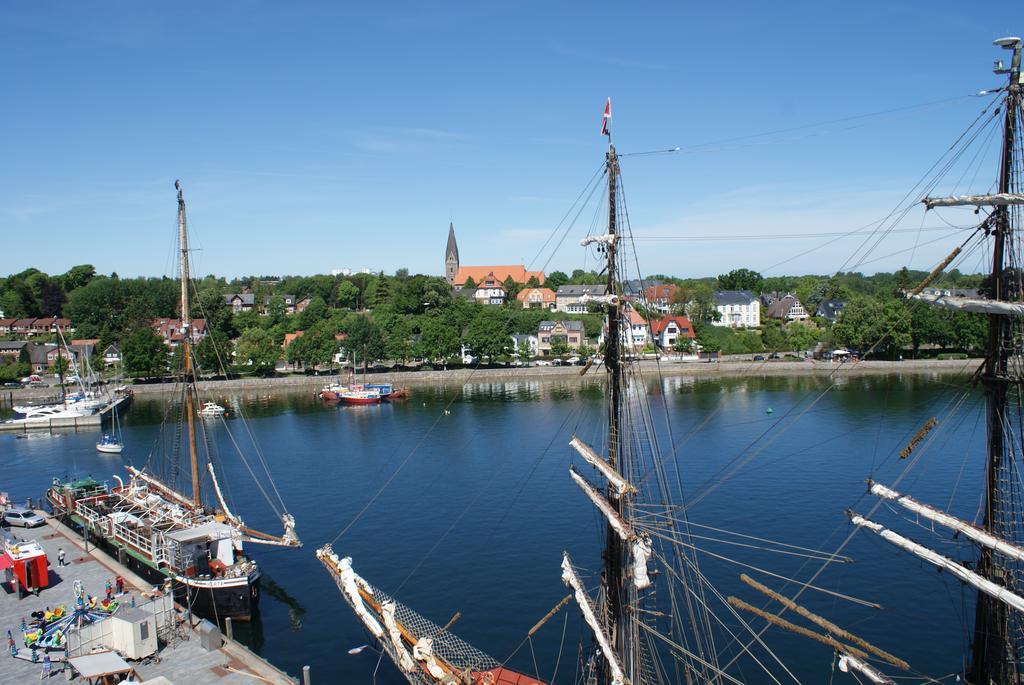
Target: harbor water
point(458, 500)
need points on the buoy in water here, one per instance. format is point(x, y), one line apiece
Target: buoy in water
point(769, 410)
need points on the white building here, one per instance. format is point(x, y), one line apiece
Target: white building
point(573, 298)
point(739, 309)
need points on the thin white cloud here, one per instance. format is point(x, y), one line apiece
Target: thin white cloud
point(609, 60)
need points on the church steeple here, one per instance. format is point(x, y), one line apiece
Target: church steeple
point(451, 256)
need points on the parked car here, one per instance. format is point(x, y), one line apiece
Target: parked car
point(758, 357)
point(26, 518)
point(542, 362)
point(572, 360)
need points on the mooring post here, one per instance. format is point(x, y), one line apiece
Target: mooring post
point(305, 675)
point(227, 628)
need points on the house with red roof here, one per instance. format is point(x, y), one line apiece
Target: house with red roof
point(537, 298)
point(170, 330)
point(668, 329)
point(660, 296)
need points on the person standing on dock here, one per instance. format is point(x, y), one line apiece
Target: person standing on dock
point(108, 589)
point(47, 667)
point(119, 582)
point(60, 556)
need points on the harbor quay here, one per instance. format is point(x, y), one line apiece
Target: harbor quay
point(188, 650)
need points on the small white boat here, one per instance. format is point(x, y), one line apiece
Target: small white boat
point(211, 409)
point(109, 444)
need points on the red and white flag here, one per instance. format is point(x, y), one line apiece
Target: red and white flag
point(606, 120)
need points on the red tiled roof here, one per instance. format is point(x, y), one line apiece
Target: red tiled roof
point(660, 292)
point(289, 338)
point(547, 295)
point(518, 273)
point(685, 327)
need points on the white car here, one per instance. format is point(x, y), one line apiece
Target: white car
point(542, 362)
point(26, 518)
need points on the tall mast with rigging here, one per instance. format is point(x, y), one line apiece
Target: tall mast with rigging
point(994, 658)
point(613, 553)
point(186, 346)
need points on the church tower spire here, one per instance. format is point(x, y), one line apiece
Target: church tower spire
point(451, 256)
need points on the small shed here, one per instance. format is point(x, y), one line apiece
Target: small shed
point(133, 633)
point(102, 668)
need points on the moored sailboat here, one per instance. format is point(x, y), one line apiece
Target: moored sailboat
point(193, 542)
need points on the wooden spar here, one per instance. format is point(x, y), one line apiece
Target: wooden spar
point(980, 536)
point(824, 623)
point(935, 272)
point(186, 346)
point(547, 617)
point(799, 630)
point(918, 437)
point(450, 623)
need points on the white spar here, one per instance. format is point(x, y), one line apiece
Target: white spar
point(617, 523)
point(621, 485)
point(994, 200)
point(641, 544)
point(977, 305)
point(570, 578)
point(942, 518)
point(970, 577)
point(848, 662)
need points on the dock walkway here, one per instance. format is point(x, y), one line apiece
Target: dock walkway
point(185, 662)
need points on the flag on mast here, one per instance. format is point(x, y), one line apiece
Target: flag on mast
point(606, 120)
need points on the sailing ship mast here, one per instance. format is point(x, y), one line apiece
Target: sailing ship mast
point(613, 553)
point(186, 342)
point(995, 655)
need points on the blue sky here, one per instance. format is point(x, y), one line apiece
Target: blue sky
point(320, 136)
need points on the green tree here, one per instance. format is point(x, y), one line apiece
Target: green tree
point(211, 352)
point(559, 348)
point(741, 279)
point(365, 339)
point(439, 339)
point(77, 276)
point(523, 351)
point(315, 312)
point(277, 309)
point(556, 279)
point(773, 337)
point(874, 326)
point(257, 348)
point(144, 354)
point(60, 366)
point(348, 295)
point(488, 336)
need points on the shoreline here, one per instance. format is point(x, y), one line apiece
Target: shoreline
point(649, 368)
point(564, 373)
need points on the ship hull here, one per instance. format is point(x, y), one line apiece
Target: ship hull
point(361, 400)
point(211, 598)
